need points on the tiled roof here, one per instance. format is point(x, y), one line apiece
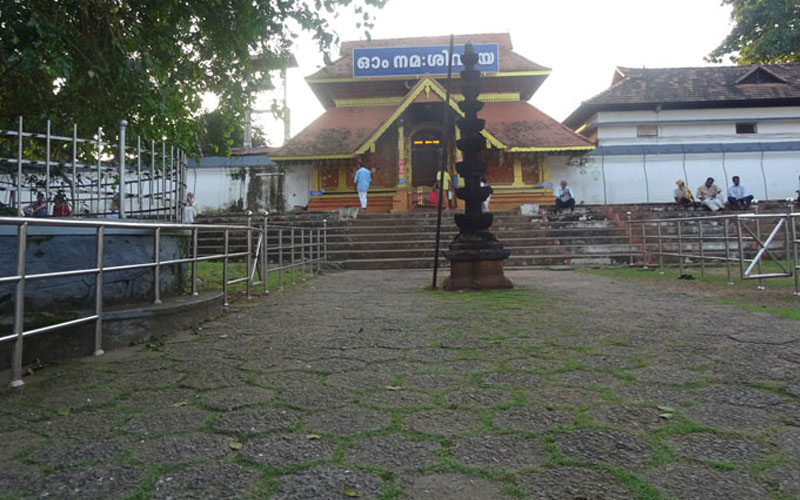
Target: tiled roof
point(637, 88)
point(509, 61)
point(339, 131)
point(520, 125)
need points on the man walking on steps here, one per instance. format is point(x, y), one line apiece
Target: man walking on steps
point(362, 180)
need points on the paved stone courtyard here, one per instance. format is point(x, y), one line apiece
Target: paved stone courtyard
point(365, 385)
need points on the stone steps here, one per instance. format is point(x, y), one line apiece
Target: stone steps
point(592, 235)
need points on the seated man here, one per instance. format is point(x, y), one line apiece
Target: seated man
point(710, 195)
point(37, 208)
point(737, 195)
point(565, 198)
point(682, 194)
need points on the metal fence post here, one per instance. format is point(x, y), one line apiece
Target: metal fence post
point(795, 244)
point(319, 251)
point(98, 299)
point(660, 249)
point(151, 187)
point(303, 254)
point(680, 249)
point(630, 238)
point(157, 267)
point(325, 239)
point(139, 174)
point(122, 125)
point(73, 189)
point(225, 270)
point(264, 256)
point(99, 190)
point(702, 254)
point(758, 236)
point(291, 247)
point(47, 166)
point(194, 261)
point(644, 243)
point(249, 254)
point(19, 169)
point(280, 260)
point(728, 251)
point(19, 305)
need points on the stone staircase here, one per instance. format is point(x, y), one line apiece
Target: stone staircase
point(407, 241)
point(592, 235)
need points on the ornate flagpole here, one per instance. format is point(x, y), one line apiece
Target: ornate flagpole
point(476, 256)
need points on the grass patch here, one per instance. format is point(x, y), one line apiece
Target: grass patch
point(209, 275)
point(777, 300)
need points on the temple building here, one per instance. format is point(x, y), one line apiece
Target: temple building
point(384, 106)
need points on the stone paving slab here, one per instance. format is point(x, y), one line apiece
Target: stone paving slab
point(368, 384)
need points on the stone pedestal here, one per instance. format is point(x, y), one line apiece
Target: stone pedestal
point(477, 263)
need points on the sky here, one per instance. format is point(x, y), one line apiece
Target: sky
point(582, 41)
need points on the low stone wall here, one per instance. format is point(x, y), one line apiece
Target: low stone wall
point(53, 249)
point(122, 326)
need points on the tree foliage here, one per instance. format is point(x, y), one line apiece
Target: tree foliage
point(764, 31)
point(93, 62)
point(219, 132)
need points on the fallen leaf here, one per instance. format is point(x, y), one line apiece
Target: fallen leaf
point(666, 416)
point(313, 436)
point(63, 411)
point(350, 492)
point(392, 388)
point(30, 371)
point(665, 409)
point(179, 404)
point(224, 336)
point(235, 445)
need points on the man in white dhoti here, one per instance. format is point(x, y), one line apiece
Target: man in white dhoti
point(710, 195)
point(362, 180)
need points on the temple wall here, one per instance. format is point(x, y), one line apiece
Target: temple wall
point(651, 178)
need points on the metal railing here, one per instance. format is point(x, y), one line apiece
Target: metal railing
point(147, 177)
point(278, 249)
point(730, 240)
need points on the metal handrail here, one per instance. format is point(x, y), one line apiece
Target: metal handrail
point(309, 251)
point(786, 223)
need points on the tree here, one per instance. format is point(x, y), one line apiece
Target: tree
point(219, 132)
point(93, 62)
point(764, 31)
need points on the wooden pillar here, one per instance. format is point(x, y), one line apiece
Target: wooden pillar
point(342, 177)
point(400, 201)
point(518, 181)
point(316, 184)
point(402, 182)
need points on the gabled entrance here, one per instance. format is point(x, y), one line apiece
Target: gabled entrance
point(426, 156)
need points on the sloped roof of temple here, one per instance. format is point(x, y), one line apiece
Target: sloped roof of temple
point(685, 88)
point(349, 131)
point(359, 110)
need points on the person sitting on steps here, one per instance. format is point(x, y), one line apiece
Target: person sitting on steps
point(682, 194)
point(565, 197)
point(737, 195)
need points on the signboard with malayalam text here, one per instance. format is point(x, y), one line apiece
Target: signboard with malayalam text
point(415, 61)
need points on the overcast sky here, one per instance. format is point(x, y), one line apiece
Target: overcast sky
point(581, 40)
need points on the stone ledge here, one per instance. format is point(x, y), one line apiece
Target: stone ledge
point(122, 326)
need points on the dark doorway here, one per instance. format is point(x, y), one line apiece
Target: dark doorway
point(426, 157)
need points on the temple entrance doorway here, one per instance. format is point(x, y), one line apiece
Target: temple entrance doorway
point(426, 157)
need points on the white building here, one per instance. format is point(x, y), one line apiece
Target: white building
point(654, 126)
point(236, 183)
